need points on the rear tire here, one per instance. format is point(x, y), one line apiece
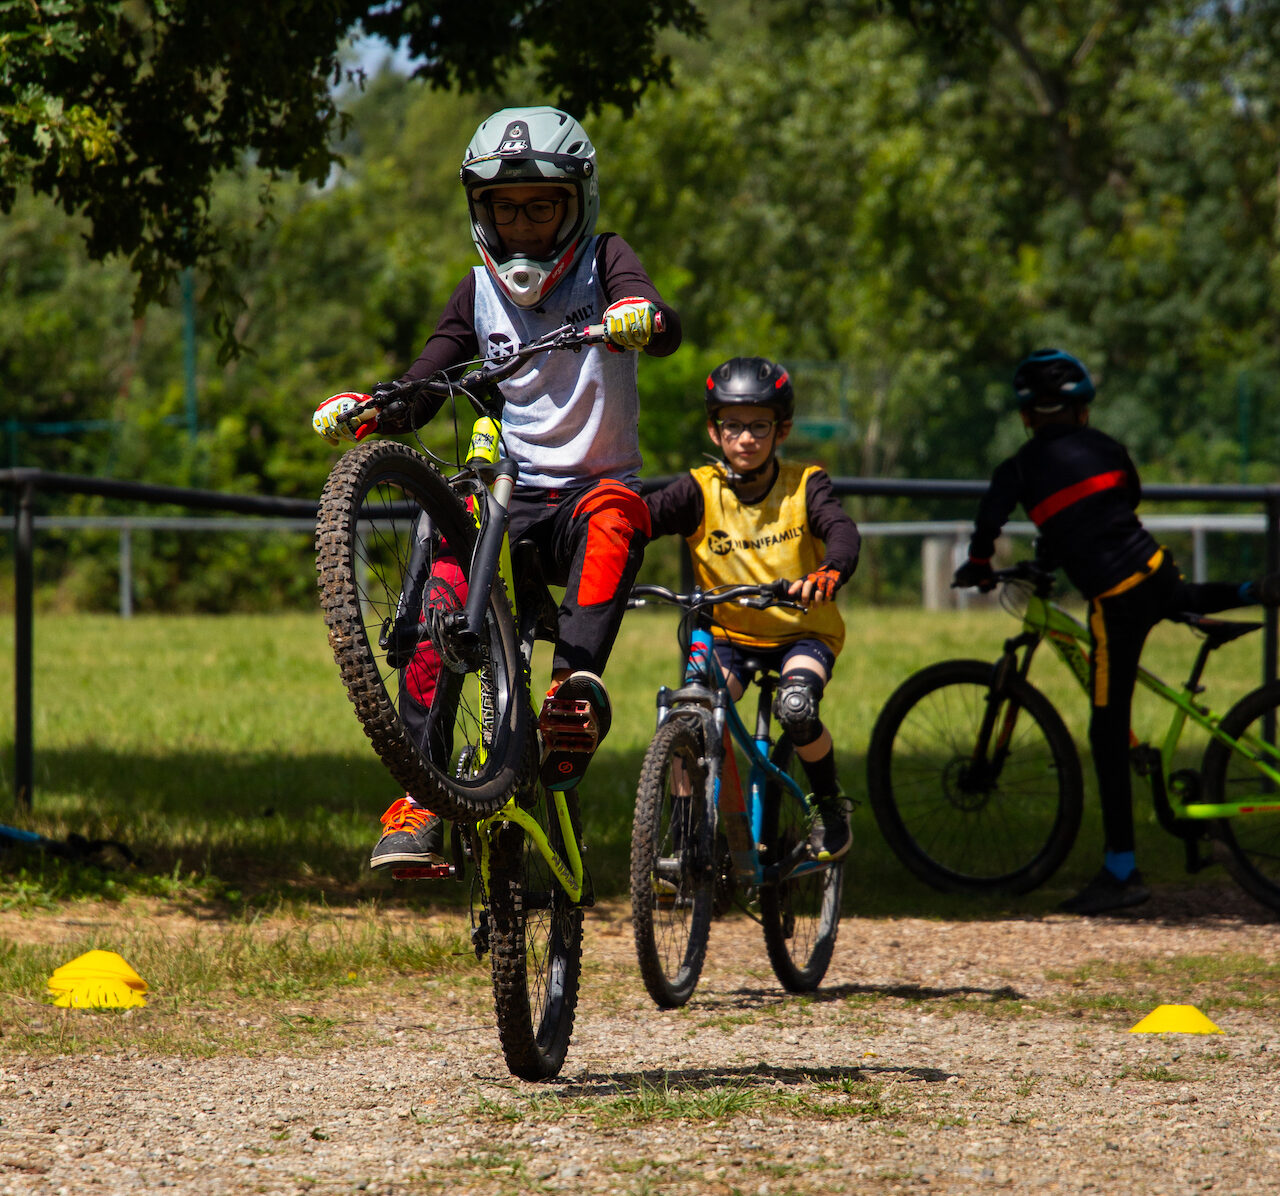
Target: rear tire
point(963, 832)
point(535, 947)
point(1249, 844)
point(672, 866)
point(800, 915)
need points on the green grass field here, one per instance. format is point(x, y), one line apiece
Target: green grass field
point(224, 753)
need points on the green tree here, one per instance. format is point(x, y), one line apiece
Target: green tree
point(125, 111)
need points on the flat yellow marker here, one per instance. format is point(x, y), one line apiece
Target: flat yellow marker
point(1175, 1019)
point(97, 980)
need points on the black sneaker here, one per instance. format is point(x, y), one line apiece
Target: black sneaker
point(1105, 893)
point(830, 838)
point(574, 720)
point(412, 835)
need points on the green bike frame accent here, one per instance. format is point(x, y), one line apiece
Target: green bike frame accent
point(1067, 636)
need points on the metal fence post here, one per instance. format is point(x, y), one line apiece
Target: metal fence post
point(1272, 566)
point(23, 685)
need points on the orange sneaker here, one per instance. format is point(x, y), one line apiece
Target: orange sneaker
point(411, 835)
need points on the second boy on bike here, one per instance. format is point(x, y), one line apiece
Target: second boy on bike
point(753, 519)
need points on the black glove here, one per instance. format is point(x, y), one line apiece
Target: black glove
point(974, 573)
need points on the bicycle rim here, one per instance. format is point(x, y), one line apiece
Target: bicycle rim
point(535, 949)
point(393, 558)
point(672, 881)
point(1249, 844)
point(1003, 822)
point(800, 915)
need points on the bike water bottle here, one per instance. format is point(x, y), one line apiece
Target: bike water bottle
point(698, 666)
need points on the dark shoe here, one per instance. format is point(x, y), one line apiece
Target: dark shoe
point(412, 835)
point(830, 838)
point(1105, 893)
point(574, 720)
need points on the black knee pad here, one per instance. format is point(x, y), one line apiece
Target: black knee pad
point(795, 705)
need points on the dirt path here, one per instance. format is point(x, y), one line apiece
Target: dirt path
point(939, 1057)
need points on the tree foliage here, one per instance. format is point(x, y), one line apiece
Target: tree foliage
point(126, 111)
point(897, 213)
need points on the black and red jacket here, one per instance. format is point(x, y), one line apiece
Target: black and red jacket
point(1080, 488)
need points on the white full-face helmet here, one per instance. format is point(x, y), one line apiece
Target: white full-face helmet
point(528, 146)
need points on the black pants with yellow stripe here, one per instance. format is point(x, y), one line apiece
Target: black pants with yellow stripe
point(1119, 622)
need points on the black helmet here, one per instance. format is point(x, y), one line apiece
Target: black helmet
point(1049, 379)
point(750, 382)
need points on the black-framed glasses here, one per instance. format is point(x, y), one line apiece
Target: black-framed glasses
point(759, 428)
point(539, 211)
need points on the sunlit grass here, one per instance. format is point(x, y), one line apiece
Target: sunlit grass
point(224, 753)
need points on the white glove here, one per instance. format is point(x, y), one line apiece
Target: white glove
point(628, 323)
point(328, 422)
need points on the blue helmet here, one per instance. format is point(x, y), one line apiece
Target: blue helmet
point(1050, 379)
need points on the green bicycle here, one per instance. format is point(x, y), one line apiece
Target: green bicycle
point(976, 785)
point(432, 618)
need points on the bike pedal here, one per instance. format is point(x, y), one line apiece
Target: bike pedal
point(425, 872)
point(569, 725)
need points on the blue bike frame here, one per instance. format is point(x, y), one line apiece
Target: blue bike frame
point(705, 692)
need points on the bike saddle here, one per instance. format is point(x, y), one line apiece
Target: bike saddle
point(1217, 631)
point(531, 587)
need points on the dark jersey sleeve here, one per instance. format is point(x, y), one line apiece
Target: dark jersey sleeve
point(676, 509)
point(453, 342)
point(622, 277)
point(832, 525)
point(994, 510)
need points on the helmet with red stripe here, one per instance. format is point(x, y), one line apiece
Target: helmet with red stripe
point(750, 382)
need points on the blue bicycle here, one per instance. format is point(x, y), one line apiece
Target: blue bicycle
point(702, 841)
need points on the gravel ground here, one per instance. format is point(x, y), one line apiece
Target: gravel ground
point(939, 1057)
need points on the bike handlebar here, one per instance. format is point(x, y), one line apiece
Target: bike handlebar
point(488, 374)
point(758, 597)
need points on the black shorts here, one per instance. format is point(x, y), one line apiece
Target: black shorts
point(732, 657)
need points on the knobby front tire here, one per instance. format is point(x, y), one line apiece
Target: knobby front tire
point(535, 947)
point(672, 877)
point(393, 557)
point(800, 915)
point(1249, 844)
point(1002, 824)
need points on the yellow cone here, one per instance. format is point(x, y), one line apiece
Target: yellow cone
point(97, 980)
point(1175, 1019)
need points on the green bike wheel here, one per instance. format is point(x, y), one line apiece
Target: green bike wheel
point(800, 914)
point(535, 946)
point(999, 822)
point(1249, 843)
point(446, 715)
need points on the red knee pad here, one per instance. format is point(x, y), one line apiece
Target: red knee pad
point(614, 515)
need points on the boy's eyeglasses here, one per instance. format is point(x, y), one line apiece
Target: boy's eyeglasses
point(539, 211)
point(759, 428)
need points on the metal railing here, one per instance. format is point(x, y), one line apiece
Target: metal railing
point(299, 514)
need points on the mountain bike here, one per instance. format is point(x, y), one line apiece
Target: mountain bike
point(976, 785)
point(702, 841)
point(432, 617)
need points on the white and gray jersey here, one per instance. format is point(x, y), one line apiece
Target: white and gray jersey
point(569, 418)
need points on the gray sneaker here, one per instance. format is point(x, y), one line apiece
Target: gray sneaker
point(411, 836)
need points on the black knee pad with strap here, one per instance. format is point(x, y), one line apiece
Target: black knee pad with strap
point(795, 705)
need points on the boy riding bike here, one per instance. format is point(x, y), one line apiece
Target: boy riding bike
point(570, 420)
point(753, 518)
point(1080, 488)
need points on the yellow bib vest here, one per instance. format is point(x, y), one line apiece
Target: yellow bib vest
point(753, 544)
